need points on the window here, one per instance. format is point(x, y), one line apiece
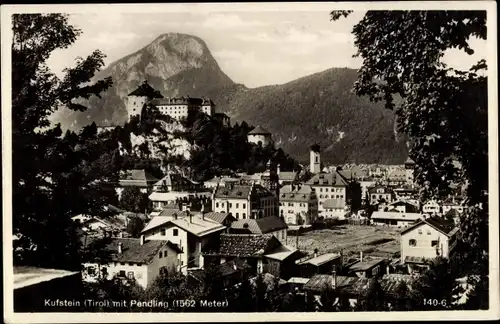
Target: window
point(217, 205)
point(434, 243)
point(316, 159)
point(244, 215)
point(244, 205)
point(160, 255)
point(91, 271)
point(163, 232)
point(104, 271)
point(237, 215)
point(326, 189)
point(320, 189)
point(419, 231)
point(121, 273)
point(230, 205)
point(176, 232)
point(428, 232)
point(130, 275)
point(222, 205)
point(413, 242)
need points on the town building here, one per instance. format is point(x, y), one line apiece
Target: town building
point(315, 159)
point(431, 207)
point(192, 232)
point(263, 253)
point(298, 204)
point(245, 201)
point(260, 136)
point(335, 209)
point(368, 268)
point(379, 193)
point(395, 218)
point(405, 192)
point(138, 178)
point(141, 260)
point(427, 239)
point(138, 98)
point(330, 186)
point(174, 187)
point(287, 177)
point(318, 264)
point(409, 170)
point(272, 225)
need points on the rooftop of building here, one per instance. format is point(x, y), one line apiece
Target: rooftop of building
point(259, 226)
point(259, 130)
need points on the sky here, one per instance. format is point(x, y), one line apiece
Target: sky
point(255, 47)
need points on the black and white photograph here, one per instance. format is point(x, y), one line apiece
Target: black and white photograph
point(286, 161)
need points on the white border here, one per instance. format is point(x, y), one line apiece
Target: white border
point(10, 317)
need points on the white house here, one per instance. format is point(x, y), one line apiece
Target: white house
point(395, 219)
point(431, 207)
point(131, 258)
point(328, 186)
point(244, 201)
point(335, 208)
point(192, 232)
point(298, 204)
point(261, 136)
point(427, 239)
point(378, 193)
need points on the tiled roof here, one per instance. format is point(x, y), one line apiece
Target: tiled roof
point(321, 259)
point(328, 179)
point(281, 253)
point(348, 285)
point(397, 174)
point(133, 251)
point(300, 193)
point(442, 225)
point(247, 245)
point(259, 131)
point(414, 259)
point(334, 203)
point(260, 226)
point(396, 216)
point(236, 191)
point(365, 265)
point(219, 217)
point(136, 178)
point(174, 179)
point(177, 101)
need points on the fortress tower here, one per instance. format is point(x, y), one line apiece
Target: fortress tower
point(139, 97)
point(315, 159)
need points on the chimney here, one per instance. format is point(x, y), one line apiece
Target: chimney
point(334, 279)
point(278, 169)
point(203, 210)
point(175, 215)
point(361, 256)
point(143, 239)
point(315, 252)
point(120, 249)
point(387, 269)
point(190, 216)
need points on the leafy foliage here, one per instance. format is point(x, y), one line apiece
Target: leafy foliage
point(135, 226)
point(56, 175)
point(132, 199)
point(443, 110)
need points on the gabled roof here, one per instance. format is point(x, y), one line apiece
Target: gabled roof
point(347, 285)
point(145, 90)
point(195, 224)
point(409, 161)
point(282, 253)
point(219, 217)
point(260, 226)
point(396, 216)
point(328, 179)
point(247, 245)
point(235, 191)
point(133, 251)
point(174, 179)
point(259, 131)
point(288, 175)
point(440, 224)
point(321, 259)
point(365, 265)
point(136, 178)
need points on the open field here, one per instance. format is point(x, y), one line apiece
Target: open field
point(372, 240)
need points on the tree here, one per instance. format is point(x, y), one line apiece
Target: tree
point(442, 110)
point(135, 226)
point(49, 176)
point(133, 200)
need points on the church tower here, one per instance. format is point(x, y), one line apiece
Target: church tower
point(139, 97)
point(315, 160)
